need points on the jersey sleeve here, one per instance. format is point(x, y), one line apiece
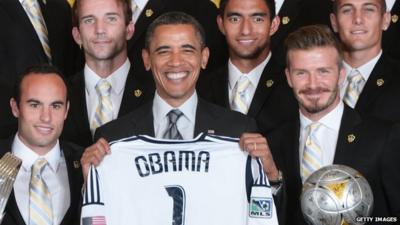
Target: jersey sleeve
point(262, 208)
point(93, 208)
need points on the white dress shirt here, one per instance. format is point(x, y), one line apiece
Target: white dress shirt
point(327, 134)
point(365, 71)
point(389, 5)
point(254, 77)
point(141, 4)
point(185, 123)
point(54, 174)
point(117, 80)
point(278, 6)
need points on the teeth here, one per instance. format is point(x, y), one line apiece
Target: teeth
point(44, 129)
point(358, 32)
point(176, 76)
point(245, 41)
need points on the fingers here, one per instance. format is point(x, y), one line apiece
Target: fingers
point(94, 154)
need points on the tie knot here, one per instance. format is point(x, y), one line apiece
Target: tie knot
point(38, 166)
point(174, 115)
point(313, 127)
point(103, 88)
point(243, 83)
point(355, 76)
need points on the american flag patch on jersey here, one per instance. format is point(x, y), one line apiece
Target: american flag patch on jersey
point(94, 220)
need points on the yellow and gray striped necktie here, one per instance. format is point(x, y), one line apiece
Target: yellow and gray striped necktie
point(354, 88)
point(40, 207)
point(239, 102)
point(104, 110)
point(35, 15)
point(312, 153)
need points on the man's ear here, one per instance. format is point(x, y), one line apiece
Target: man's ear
point(14, 107)
point(146, 59)
point(76, 35)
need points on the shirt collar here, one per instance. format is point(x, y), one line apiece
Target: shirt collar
point(331, 120)
point(28, 156)
point(254, 75)
point(365, 69)
point(161, 108)
point(117, 79)
point(141, 4)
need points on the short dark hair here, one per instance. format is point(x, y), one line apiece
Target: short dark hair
point(270, 4)
point(41, 69)
point(175, 18)
point(335, 6)
point(313, 36)
point(126, 6)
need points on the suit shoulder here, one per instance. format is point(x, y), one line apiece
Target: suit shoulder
point(71, 150)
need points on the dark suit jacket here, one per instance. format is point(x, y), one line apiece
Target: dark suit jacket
point(208, 117)
point(374, 153)
point(20, 47)
point(379, 99)
point(295, 14)
point(203, 10)
point(273, 102)
point(72, 154)
point(390, 43)
point(77, 125)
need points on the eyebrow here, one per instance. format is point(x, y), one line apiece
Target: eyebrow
point(60, 102)
point(229, 14)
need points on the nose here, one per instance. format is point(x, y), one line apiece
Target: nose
point(45, 114)
point(99, 28)
point(357, 17)
point(246, 27)
point(175, 59)
point(312, 80)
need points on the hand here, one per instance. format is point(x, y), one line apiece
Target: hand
point(257, 146)
point(93, 155)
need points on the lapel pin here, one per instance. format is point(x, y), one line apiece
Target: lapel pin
point(380, 82)
point(395, 18)
point(210, 132)
point(285, 20)
point(269, 83)
point(351, 138)
point(76, 164)
point(149, 12)
point(137, 93)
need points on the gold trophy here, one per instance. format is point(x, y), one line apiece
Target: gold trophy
point(9, 167)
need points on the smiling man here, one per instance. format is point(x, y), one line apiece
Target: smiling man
point(47, 187)
point(106, 88)
point(372, 82)
point(253, 81)
point(328, 131)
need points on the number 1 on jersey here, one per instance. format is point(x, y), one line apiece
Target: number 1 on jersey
point(177, 193)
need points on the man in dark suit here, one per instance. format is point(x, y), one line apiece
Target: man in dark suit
point(248, 26)
point(329, 132)
point(21, 47)
point(372, 82)
point(390, 45)
point(102, 28)
point(40, 104)
point(175, 51)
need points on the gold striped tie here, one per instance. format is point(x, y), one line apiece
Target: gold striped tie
point(104, 111)
point(40, 209)
point(354, 88)
point(239, 102)
point(32, 8)
point(312, 153)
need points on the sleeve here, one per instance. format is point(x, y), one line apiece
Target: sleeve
point(93, 210)
point(262, 208)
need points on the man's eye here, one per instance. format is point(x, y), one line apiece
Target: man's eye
point(234, 19)
point(88, 21)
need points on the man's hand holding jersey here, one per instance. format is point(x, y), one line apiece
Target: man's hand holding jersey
point(94, 154)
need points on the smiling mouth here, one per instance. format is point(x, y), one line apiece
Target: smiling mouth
point(246, 41)
point(176, 76)
point(356, 32)
point(44, 129)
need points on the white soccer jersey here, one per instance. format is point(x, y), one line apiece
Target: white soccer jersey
point(206, 181)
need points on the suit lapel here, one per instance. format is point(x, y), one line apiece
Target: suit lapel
point(135, 91)
point(143, 120)
point(79, 109)
point(204, 119)
point(220, 87)
point(345, 140)
point(152, 10)
point(18, 14)
point(270, 77)
point(372, 90)
point(287, 14)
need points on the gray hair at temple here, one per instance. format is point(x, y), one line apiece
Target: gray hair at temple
point(313, 36)
point(175, 18)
